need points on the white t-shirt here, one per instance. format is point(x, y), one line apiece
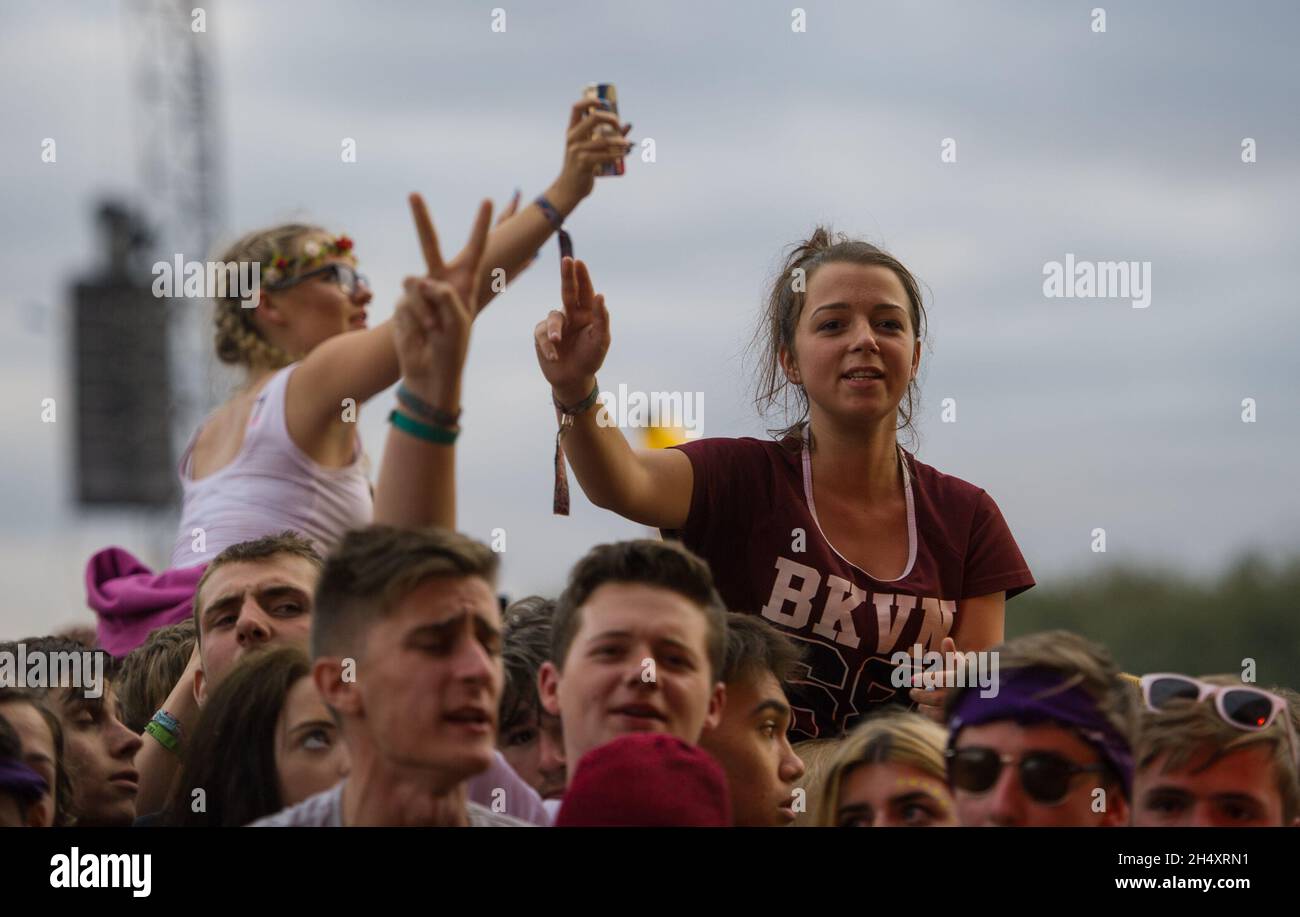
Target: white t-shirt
point(325, 810)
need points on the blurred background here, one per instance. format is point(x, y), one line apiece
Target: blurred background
point(1075, 414)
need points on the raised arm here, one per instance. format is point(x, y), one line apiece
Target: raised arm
point(361, 364)
point(648, 486)
point(417, 481)
point(514, 243)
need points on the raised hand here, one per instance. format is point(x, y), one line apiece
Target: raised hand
point(464, 272)
point(431, 333)
point(585, 151)
point(571, 345)
point(930, 699)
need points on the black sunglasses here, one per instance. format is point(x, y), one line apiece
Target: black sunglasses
point(1045, 776)
point(342, 274)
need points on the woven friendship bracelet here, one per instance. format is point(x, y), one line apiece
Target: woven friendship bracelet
point(416, 405)
point(440, 435)
point(553, 217)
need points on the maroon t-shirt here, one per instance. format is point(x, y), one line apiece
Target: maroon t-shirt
point(751, 513)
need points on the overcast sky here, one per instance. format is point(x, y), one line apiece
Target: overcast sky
point(1073, 413)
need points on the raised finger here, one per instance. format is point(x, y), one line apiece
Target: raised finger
point(510, 209)
point(586, 292)
point(428, 238)
point(568, 285)
point(585, 126)
point(478, 235)
point(579, 109)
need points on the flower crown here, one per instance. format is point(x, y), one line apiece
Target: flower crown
point(313, 251)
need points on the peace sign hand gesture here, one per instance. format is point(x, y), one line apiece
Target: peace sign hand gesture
point(571, 345)
point(464, 272)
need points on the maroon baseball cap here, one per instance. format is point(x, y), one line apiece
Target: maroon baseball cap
point(646, 780)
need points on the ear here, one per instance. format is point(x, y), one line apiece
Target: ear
point(1117, 814)
point(268, 311)
point(339, 693)
point(789, 365)
point(548, 688)
point(38, 812)
point(200, 686)
point(717, 703)
point(916, 358)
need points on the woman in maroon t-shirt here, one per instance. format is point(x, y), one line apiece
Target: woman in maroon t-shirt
point(834, 533)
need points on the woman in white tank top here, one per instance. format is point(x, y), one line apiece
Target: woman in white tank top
point(283, 452)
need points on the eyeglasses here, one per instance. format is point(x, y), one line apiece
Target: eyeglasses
point(343, 274)
point(1249, 709)
point(1044, 775)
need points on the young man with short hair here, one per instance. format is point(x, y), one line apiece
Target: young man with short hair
point(254, 595)
point(1213, 752)
point(98, 749)
point(406, 643)
point(638, 645)
point(1051, 746)
point(751, 741)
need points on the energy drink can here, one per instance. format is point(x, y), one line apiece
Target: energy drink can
point(608, 96)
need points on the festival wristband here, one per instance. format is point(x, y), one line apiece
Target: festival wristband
point(557, 222)
point(159, 732)
point(565, 415)
point(168, 722)
point(440, 435)
point(416, 405)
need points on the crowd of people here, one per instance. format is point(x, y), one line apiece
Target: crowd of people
point(322, 651)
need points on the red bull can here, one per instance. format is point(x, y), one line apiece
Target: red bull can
point(608, 97)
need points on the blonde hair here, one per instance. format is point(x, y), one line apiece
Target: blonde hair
point(816, 755)
point(902, 738)
point(237, 339)
point(1193, 736)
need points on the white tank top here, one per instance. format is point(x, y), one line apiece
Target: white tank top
point(271, 485)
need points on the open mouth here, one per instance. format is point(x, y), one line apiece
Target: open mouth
point(475, 719)
point(358, 320)
point(867, 374)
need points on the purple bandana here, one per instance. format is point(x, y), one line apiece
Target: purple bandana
point(19, 779)
point(1032, 696)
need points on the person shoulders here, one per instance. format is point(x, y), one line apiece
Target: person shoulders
point(324, 810)
point(968, 518)
point(943, 487)
point(483, 817)
point(732, 478)
point(726, 449)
